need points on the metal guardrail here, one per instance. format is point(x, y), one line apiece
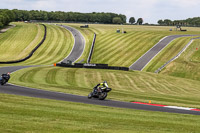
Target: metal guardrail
point(92, 66)
point(175, 57)
point(92, 49)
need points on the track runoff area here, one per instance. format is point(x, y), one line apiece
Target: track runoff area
point(166, 106)
point(31, 92)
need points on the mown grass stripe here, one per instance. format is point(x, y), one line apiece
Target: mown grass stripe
point(39, 55)
point(119, 50)
point(14, 41)
point(56, 47)
point(133, 85)
point(117, 45)
point(51, 76)
point(35, 115)
point(171, 50)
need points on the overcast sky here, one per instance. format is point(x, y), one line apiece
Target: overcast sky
point(150, 10)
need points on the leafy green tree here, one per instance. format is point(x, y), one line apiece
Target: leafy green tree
point(167, 22)
point(117, 20)
point(123, 17)
point(1, 24)
point(2, 20)
point(18, 15)
point(140, 21)
point(132, 20)
point(160, 22)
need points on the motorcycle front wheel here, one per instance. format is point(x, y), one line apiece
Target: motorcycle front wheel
point(90, 95)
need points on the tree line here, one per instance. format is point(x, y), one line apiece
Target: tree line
point(188, 22)
point(7, 16)
point(139, 21)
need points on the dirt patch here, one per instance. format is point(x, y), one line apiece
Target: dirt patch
point(7, 28)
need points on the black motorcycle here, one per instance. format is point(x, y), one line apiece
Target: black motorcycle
point(4, 79)
point(99, 93)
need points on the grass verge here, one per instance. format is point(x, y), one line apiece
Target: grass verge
point(187, 65)
point(24, 114)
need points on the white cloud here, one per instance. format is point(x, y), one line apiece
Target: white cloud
point(185, 3)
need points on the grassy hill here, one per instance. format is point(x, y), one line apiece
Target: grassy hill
point(118, 49)
point(123, 49)
point(187, 65)
point(168, 53)
point(56, 47)
point(17, 42)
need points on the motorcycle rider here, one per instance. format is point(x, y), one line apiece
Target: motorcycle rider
point(99, 87)
point(5, 76)
point(100, 91)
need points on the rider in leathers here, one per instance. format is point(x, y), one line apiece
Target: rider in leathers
point(99, 87)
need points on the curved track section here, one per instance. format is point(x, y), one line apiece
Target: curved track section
point(149, 55)
point(23, 91)
point(11, 69)
point(30, 92)
point(79, 45)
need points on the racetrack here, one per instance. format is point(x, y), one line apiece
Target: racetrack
point(24, 91)
point(79, 45)
point(75, 54)
point(149, 55)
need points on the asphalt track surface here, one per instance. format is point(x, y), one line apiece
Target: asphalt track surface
point(79, 45)
point(38, 93)
point(149, 55)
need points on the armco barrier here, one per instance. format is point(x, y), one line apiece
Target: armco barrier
point(92, 66)
point(32, 52)
point(159, 69)
point(92, 49)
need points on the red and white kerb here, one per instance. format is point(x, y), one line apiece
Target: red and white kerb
point(166, 106)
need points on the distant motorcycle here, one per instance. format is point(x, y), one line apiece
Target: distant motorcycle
point(4, 78)
point(99, 93)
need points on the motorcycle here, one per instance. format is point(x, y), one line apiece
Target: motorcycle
point(4, 78)
point(99, 93)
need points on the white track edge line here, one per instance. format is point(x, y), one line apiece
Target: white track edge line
point(149, 50)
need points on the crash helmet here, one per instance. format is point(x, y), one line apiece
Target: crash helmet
point(105, 83)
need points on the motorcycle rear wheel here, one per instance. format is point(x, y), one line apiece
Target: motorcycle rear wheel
point(3, 82)
point(102, 96)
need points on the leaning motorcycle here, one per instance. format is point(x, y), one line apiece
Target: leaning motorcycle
point(4, 79)
point(99, 93)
